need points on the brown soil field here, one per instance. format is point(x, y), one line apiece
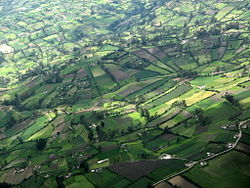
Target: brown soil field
point(201, 129)
point(15, 178)
point(81, 74)
point(181, 182)
point(145, 55)
point(157, 52)
point(130, 90)
point(59, 120)
point(135, 170)
point(243, 147)
point(186, 114)
point(168, 136)
point(59, 129)
point(221, 52)
point(163, 185)
point(70, 76)
point(107, 148)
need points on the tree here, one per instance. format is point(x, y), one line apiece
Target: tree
point(230, 98)
point(90, 135)
point(200, 117)
point(41, 143)
point(17, 99)
point(85, 166)
point(145, 113)
point(74, 120)
point(179, 103)
point(101, 133)
point(20, 140)
point(5, 185)
point(82, 119)
point(102, 124)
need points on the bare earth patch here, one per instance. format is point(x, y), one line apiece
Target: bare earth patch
point(4, 48)
point(181, 182)
point(130, 90)
point(145, 55)
point(157, 52)
point(163, 185)
point(2, 136)
point(168, 136)
point(15, 177)
point(243, 147)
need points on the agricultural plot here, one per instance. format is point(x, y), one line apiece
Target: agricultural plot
point(106, 179)
point(181, 182)
point(135, 170)
point(167, 169)
point(123, 93)
point(162, 141)
point(238, 171)
point(197, 97)
point(179, 90)
point(77, 181)
point(104, 82)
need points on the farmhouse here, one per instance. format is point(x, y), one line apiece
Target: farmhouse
point(103, 161)
point(236, 135)
point(203, 163)
point(165, 156)
point(230, 145)
point(93, 126)
point(210, 154)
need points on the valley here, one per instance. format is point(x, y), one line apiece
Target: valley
point(124, 93)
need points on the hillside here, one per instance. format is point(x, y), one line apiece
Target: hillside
point(103, 93)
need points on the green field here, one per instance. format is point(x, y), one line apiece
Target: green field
point(225, 171)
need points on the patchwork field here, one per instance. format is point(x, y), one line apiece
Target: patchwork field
point(109, 93)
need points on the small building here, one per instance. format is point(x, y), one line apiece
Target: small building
point(229, 145)
point(103, 161)
point(98, 170)
point(68, 175)
point(224, 127)
point(19, 170)
point(210, 154)
point(165, 156)
point(190, 164)
point(203, 163)
point(201, 87)
point(93, 126)
point(231, 126)
point(236, 135)
point(244, 126)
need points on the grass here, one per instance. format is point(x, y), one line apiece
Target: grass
point(219, 113)
point(76, 181)
point(184, 130)
point(172, 166)
point(228, 170)
point(142, 182)
point(179, 90)
point(39, 124)
point(106, 179)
